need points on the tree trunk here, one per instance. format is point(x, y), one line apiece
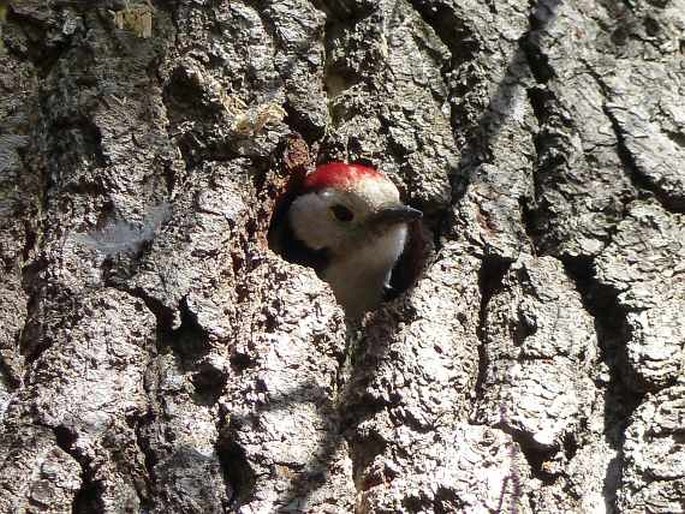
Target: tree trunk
point(158, 356)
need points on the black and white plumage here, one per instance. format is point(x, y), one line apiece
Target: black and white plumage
point(349, 221)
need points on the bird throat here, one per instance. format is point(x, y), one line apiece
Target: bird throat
point(360, 276)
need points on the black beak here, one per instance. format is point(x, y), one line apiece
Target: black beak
point(395, 214)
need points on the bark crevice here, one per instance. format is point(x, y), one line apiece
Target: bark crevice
point(89, 496)
point(490, 277)
point(642, 182)
point(187, 368)
point(613, 333)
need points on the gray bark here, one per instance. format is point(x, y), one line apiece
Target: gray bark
point(157, 356)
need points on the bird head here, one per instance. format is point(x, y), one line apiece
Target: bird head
point(344, 207)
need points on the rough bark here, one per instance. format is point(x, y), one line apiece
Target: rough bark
point(157, 356)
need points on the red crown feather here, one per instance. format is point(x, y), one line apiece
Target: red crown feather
point(338, 175)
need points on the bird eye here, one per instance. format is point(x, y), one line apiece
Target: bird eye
point(342, 213)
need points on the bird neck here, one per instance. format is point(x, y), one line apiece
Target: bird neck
point(358, 277)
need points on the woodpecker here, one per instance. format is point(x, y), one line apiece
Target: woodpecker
point(353, 215)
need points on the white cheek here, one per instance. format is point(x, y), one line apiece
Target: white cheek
point(382, 253)
point(310, 221)
point(391, 245)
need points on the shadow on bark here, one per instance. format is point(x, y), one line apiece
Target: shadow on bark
point(340, 415)
point(352, 406)
point(613, 334)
